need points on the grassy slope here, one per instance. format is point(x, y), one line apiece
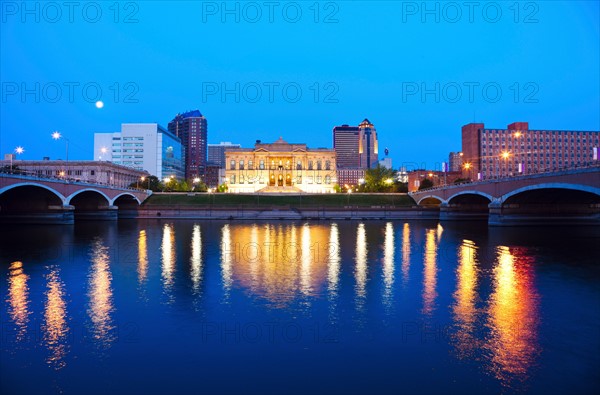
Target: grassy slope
point(331, 200)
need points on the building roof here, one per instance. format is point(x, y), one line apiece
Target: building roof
point(191, 114)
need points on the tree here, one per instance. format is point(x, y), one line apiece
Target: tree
point(379, 179)
point(426, 183)
point(222, 188)
point(151, 182)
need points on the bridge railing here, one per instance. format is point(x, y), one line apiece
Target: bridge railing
point(557, 170)
point(28, 175)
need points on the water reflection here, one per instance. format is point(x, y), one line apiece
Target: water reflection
point(360, 270)
point(388, 262)
point(101, 305)
point(168, 259)
point(513, 316)
point(278, 262)
point(429, 272)
point(405, 253)
point(333, 273)
point(465, 298)
point(226, 258)
point(18, 298)
point(55, 328)
point(142, 268)
point(196, 259)
point(307, 258)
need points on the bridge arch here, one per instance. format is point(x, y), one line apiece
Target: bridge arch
point(69, 198)
point(35, 184)
point(112, 202)
point(553, 185)
point(430, 196)
point(471, 192)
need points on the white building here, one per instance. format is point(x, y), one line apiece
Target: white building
point(386, 162)
point(142, 146)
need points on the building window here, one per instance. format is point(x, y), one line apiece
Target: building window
point(318, 165)
point(250, 165)
point(310, 180)
point(241, 178)
point(241, 167)
point(310, 165)
point(299, 165)
point(232, 165)
point(327, 165)
point(327, 179)
point(232, 179)
point(319, 179)
point(299, 180)
point(261, 165)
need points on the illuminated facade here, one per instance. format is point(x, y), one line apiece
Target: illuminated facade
point(280, 167)
point(356, 146)
point(493, 153)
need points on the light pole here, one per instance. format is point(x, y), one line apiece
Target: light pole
point(103, 150)
point(195, 181)
point(138, 181)
point(18, 151)
point(57, 136)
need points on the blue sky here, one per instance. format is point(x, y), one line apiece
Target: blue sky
point(494, 62)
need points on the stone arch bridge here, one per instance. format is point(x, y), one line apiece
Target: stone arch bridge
point(31, 199)
point(563, 197)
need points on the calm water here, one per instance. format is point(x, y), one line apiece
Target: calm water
point(318, 307)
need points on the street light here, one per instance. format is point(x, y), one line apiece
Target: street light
point(142, 178)
point(19, 150)
point(103, 150)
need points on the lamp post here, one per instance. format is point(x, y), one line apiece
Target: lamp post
point(103, 151)
point(57, 136)
point(195, 181)
point(18, 151)
point(142, 178)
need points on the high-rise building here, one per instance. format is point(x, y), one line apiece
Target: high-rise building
point(216, 152)
point(142, 146)
point(455, 161)
point(346, 141)
point(368, 148)
point(191, 127)
point(356, 147)
point(493, 153)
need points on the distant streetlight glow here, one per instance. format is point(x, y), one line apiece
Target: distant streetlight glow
point(505, 154)
point(196, 180)
point(389, 181)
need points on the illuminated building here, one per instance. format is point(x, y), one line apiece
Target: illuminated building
point(280, 167)
point(142, 146)
point(493, 153)
point(192, 128)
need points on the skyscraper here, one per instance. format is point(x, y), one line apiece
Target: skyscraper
point(216, 153)
point(368, 145)
point(346, 142)
point(356, 146)
point(192, 128)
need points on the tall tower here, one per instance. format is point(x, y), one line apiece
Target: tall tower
point(368, 145)
point(192, 128)
point(346, 141)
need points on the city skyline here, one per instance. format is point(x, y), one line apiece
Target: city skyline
point(408, 88)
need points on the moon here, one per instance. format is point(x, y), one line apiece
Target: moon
point(99, 104)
